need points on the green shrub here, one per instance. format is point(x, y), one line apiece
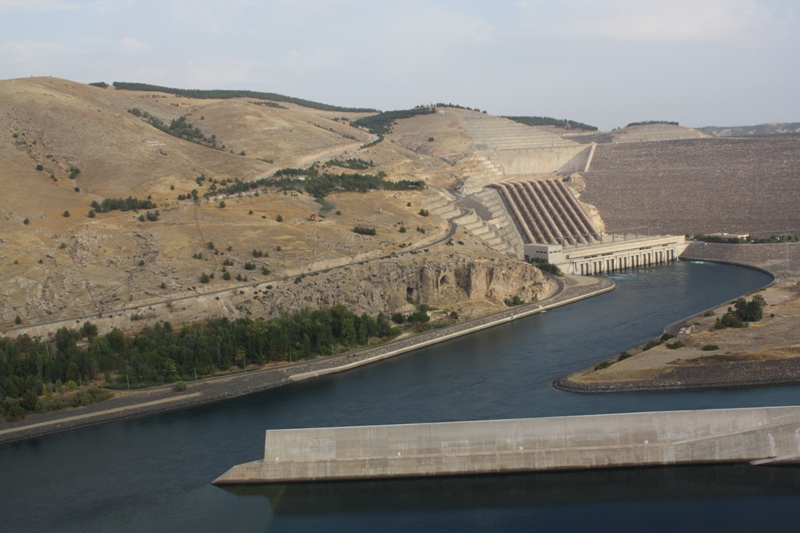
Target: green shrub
point(710, 348)
point(249, 266)
point(204, 278)
point(418, 317)
point(361, 230)
point(729, 320)
point(39, 167)
point(279, 218)
point(180, 386)
point(604, 364)
point(424, 212)
point(709, 313)
point(675, 345)
point(65, 214)
point(623, 356)
point(650, 344)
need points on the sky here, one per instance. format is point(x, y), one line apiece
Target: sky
point(602, 62)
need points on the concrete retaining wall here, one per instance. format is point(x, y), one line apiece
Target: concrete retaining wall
point(759, 435)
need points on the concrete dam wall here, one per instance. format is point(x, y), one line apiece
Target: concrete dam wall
point(753, 435)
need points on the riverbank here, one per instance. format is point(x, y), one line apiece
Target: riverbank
point(701, 357)
point(137, 404)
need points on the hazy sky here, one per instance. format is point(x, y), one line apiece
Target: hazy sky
point(604, 62)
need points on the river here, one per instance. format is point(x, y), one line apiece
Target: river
point(154, 474)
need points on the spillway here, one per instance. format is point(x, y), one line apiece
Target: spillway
point(546, 212)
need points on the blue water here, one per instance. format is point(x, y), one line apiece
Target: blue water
point(153, 474)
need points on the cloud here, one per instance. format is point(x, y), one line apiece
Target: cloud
point(316, 59)
point(132, 46)
point(35, 6)
point(219, 72)
point(31, 52)
point(652, 20)
point(421, 40)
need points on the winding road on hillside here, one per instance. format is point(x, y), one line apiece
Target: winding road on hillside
point(67, 322)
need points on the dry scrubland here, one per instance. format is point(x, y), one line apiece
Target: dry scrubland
point(54, 267)
point(698, 186)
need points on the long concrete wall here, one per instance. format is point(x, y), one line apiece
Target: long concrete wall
point(562, 159)
point(755, 435)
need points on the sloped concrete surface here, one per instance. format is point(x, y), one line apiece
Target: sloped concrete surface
point(758, 435)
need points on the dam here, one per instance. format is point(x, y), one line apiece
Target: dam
point(520, 194)
point(758, 436)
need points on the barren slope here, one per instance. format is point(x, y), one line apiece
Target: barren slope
point(694, 186)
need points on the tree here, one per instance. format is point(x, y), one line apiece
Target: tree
point(418, 317)
point(204, 278)
point(279, 218)
point(89, 330)
point(65, 214)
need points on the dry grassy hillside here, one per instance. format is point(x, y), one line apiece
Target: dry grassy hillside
point(54, 266)
point(441, 133)
point(62, 125)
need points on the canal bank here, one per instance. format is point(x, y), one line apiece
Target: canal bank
point(695, 354)
point(212, 390)
point(152, 474)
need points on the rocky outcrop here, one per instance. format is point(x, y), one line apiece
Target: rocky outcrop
point(386, 286)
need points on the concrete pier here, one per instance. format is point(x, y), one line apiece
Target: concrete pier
point(766, 435)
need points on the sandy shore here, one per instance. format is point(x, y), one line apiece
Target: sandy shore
point(136, 404)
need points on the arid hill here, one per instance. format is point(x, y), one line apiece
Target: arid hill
point(66, 145)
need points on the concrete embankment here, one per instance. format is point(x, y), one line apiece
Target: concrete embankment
point(164, 399)
point(767, 435)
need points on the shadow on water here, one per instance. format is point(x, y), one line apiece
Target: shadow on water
point(526, 490)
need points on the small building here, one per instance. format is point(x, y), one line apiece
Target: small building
point(551, 253)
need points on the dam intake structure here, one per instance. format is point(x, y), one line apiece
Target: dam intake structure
point(765, 435)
